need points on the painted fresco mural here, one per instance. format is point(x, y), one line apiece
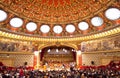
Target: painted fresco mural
point(101, 45)
point(16, 46)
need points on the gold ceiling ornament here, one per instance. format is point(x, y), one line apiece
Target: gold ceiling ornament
point(56, 11)
point(43, 45)
point(111, 32)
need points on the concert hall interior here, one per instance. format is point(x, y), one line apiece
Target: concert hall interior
point(60, 35)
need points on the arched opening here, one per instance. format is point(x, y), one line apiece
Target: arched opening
point(58, 57)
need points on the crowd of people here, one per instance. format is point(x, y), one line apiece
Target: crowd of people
point(109, 71)
point(83, 73)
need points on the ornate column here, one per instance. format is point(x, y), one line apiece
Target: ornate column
point(79, 58)
point(36, 59)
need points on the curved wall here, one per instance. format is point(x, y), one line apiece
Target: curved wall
point(100, 50)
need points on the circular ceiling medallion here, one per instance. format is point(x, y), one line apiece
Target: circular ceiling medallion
point(57, 29)
point(70, 28)
point(45, 28)
point(112, 13)
point(97, 21)
point(3, 15)
point(16, 22)
point(83, 26)
point(31, 26)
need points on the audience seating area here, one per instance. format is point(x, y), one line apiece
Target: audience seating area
point(112, 70)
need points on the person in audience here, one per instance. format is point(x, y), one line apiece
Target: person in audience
point(109, 71)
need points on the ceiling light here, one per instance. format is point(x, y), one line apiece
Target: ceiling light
point(48, 50)
point(57, 29)
point(112, 13)
point(65, 51)
point(31, 26)
point(83, 25)
point(57, 50)
point(70, 28)
point(45, 28)
point(16, 22)
point(3, 15)
point(97, 21)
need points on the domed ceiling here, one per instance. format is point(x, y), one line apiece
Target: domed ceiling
point(63, 20)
